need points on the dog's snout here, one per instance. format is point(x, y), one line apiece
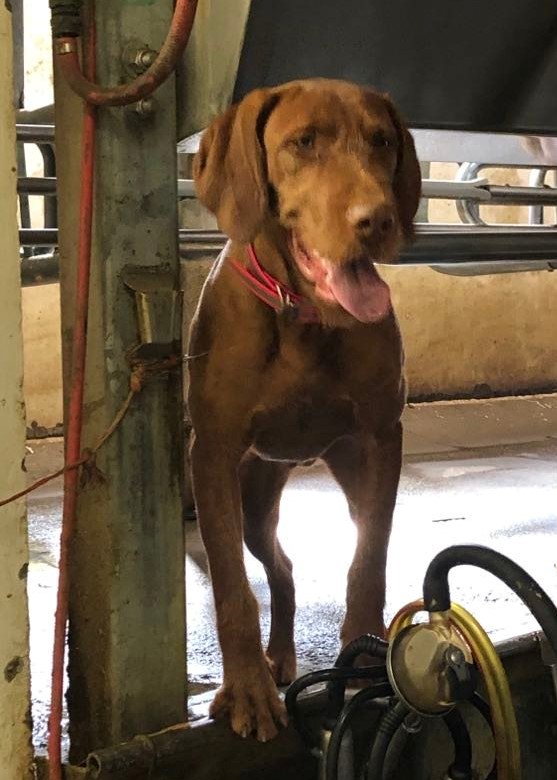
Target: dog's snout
point(367, 218)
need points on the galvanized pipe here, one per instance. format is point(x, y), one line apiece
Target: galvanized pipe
point(40, 269)
point(535, 212)
point(37, 185)
point(468, 210)
point(476, 190)
point(35, 134)
point(456, 244)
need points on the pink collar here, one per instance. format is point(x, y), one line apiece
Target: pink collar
point(275, 294)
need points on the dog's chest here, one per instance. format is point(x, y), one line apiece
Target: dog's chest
point(302, 427)
point(302, 409)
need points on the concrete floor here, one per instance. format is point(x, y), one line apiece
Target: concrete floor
point(476, 471)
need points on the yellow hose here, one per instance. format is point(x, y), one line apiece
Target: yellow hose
point(505, 729)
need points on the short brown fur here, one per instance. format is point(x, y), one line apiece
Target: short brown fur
point(267, 393)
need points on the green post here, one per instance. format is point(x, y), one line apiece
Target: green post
point(127, 663)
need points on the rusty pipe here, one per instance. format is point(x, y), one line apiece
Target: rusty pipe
point(66, 54)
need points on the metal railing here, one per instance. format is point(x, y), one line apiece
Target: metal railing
point(466, 246)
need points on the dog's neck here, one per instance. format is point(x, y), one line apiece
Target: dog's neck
point(272, 246)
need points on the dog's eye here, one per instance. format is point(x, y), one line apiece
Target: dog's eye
point(306, 141)
point(379, 139)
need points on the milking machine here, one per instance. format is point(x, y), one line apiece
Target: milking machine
point(442, 668)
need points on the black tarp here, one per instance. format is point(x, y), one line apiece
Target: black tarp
point(476, 65)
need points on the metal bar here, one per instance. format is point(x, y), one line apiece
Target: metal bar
point(24, 211)
point(36, 185)
point(40, 269)
point(38, 236)
point(186, 188)
point(46, 185)
point(432, 146)
point(49, 169)
point(522, 196)
point(468, 211)
point(458, 146)
point(474, 190)
point(481, 245)
point(537, 179)
point(35, 134)
point(43, 115)
point(481, 191)
point(439, 245)
point(451, 146)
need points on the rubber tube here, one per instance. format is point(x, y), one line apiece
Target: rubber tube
point(67, 57)
point(366, 697)
point(436, 586)
point(461, 768)
point(388, 726)
point(370, 645)
point(376, 673)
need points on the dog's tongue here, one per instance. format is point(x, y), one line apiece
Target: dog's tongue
point(359, 289)
point(356, 285)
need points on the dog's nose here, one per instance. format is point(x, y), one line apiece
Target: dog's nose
point(367, 219)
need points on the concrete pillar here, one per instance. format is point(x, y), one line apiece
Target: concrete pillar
point(127, 663)
point(15, 703)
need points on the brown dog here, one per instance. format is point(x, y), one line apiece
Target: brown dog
point(299, 355)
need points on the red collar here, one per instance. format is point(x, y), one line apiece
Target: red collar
point(275, 294)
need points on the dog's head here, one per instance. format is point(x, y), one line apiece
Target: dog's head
point(334, 164)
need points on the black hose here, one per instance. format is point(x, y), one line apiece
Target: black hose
point(376, 673)
point(369, 696)
point(369, 644)
point(336, 689)
point(388, 726)
point(66, 18)
point(461, 768)
point(436, 586)
point(483, 708)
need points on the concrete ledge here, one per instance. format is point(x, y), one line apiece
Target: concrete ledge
point(445, 426)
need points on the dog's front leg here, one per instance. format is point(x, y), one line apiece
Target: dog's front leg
point(248, 693)
point(368, 470)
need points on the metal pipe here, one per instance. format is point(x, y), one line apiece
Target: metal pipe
point(522, 196)
point(35, 134)
point(450, 244)
point(535, 213)
point(46, 185)
point(186, 188)
point(38, 236)
point(40, 269)
point(36, 185)
point(469, 211)
point(481, 245)
point(67, 56)
point(474, 190)
point(49, 170)
point(24, 212)
point(479, 190)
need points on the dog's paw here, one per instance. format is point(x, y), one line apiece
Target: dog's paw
point(252, 703)
point(282, 666)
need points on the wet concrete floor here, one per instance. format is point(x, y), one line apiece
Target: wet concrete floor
point(481, 472)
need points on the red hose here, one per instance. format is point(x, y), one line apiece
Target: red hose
point(67, 56)
point(75, 413)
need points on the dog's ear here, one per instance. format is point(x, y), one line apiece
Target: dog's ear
point(230, 169)
point(407, 183)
